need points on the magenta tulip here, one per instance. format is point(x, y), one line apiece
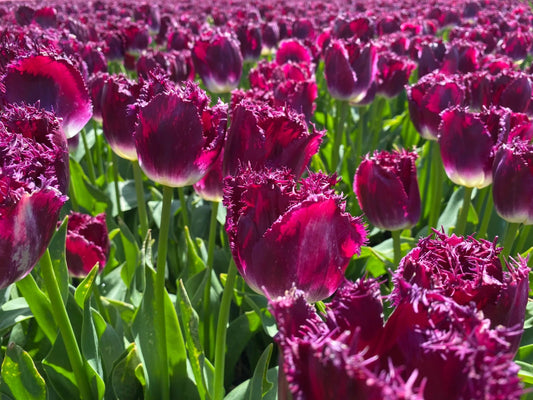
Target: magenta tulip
point(272, 221)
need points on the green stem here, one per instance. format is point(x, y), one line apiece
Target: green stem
point(88, 156)
point(59, 312)
point(487, 213)
point(342, 108)
point(510, 235)
point(209, 266)
point(99, 157)
point(222, 327)
point(159, 316)
point(183, 206)
point(361, 127)
point(141, 206)
point(397, 246)
point(463, 213)
point(437, 179)
point(40, 308)
point(377, 120)
point(115, 182)
point(524, 234)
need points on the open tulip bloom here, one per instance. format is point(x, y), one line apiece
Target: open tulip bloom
point(274, 220)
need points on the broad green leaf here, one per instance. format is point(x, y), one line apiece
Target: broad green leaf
point(526, 371)
point(126, 386)
point(12, 312)
point(242, 391)
point(131, 252)
point(195, 263)
point(448, 218)
point(57, 254)
point(21, 375)
point(260, 385)
point(84, 289)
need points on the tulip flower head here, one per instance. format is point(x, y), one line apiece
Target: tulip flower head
point(273, 221)
point(52, 81)
point(30, 201)
point(178, 136)
point(386, 187)
point(87, 243)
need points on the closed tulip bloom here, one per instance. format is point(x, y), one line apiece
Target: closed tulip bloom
point(350, 69)
point(210, 186)
point(386, 187)
point(87, 243)
point(469, 271)
point(179, 136)
point(55, 83)
point(30, 202)
point(251, 41)
point(431, 95)
point(273, 220)
point(393, 74)
point(293, 50)
point(467, 148)
point(513, 182)
point(218, 60)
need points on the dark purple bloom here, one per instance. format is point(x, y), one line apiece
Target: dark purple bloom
point(95, 85)
point(350, 69)
point(467, 271)
point(273, 221)
point(270, 34)
point(265, 137)
point(250, 38)
point(53, 82)
point(218, 61)
point(393, 73)
point(387, 189)
point(293, 50)
point(30, 202)
point(87, 243)
point(517, 44)
point(119, 94)
point(179, 122)
point(511, 89)
point(46, 17)
point(179, 39)
point(467, 148)
point(210, 187)
point(513, 181)
point(136, 37)
point(431, 95)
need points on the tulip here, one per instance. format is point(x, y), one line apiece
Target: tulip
point(30, 202)
point(118, 97)
point(393, 74)
point(511, 89)
point(431, 95)
point(218, 60)
point(387, 189)
point(87, 243)
point(210, 186)
point(180, 123)
point(52, 81)
point(350, 69)
point(251, 42)
point(513, 182)
point(469, 272)
point(293, 50)
point(274, 220)
point(263, 136)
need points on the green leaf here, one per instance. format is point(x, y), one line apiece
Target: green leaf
point(241, 392)
point(12, 312)
point(131, 251)
point(448, 218)
point(21, 375)
point(195, 263)
point(260, 385)
point(127, 198)
point(526, 371)
point(57, 254)
point(84, 289)
point(196, 354)
point(124, 381)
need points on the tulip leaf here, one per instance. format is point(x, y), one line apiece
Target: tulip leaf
point(241, 392)
point(84, 289)
point(526, 371)
point(21, 375)
point(131, 252)
point(195, 263)
point(79, 190)
point(123, 378)
point(260, 385)
point(57, 254)
point(197, 358)
point(127, 196)
point(13, 312)
point(89, 339)
point(448, 218)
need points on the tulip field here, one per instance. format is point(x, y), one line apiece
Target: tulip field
point(240, 200)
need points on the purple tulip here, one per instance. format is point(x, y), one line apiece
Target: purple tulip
point(393, 74)
point(210, 187)
point(218, 61)
point(513, 181)
point(87, 243)
point(179, 122)
point(30, 202)
point(431, 95)
point(251, 41)
point(350, 69)
point(272, 221)
point(95, 84)
point(53, 82)
point(119, 95)
point(467, 271)
point(511, 89)
point(387, 189)
point(467, 148)
point(293, 50)
point(265, 137)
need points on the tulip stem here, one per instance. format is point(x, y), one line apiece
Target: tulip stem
point(99, 157)
point(397, 246)
point(524, 234)
point(59, 312)
point(222, 328)
point(88, 156)
point(115, 182)
point(209, 267)
point(463, 212)
point(183, 206)
point(435, 185)
point(141, 207)
point(487, 213)
point(510, 235)
point(342, 108)
point(159, 317)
